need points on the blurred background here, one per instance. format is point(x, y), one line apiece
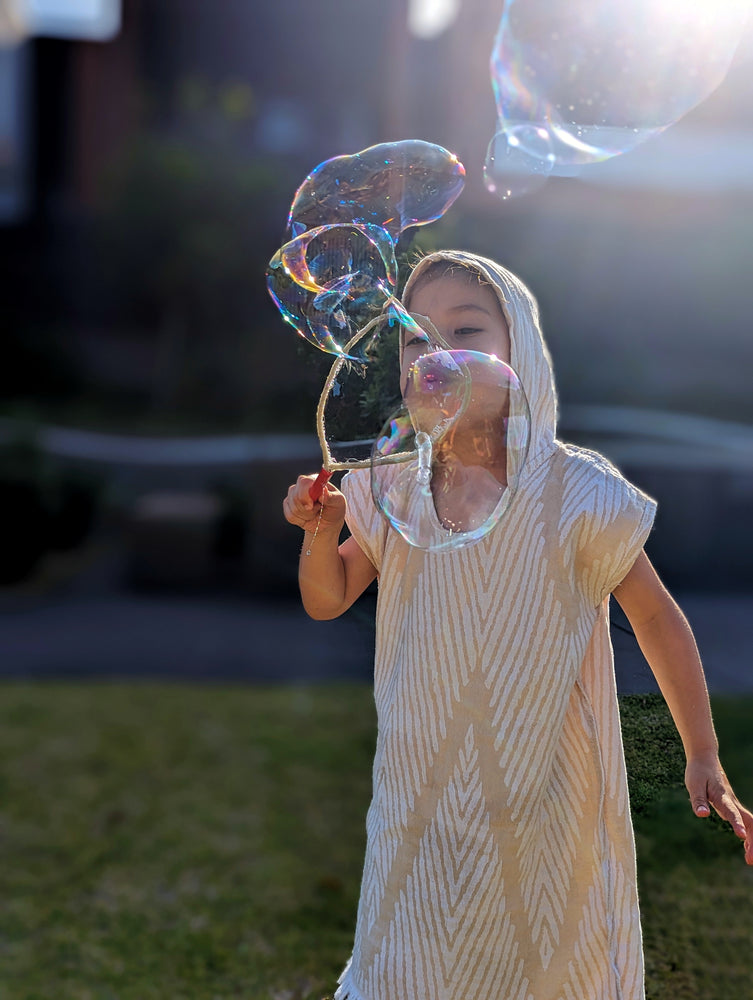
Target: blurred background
point(154, 407)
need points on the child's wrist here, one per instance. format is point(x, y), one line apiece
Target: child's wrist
point(702, 754)
point(327, 529)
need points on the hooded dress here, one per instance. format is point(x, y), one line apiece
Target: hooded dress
point(500, 861)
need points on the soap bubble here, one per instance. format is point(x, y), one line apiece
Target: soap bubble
point(338, 270)
point(394, 185)
point(446, 465)
point(331, 281)
point(518, 161)
point(361, 392)
point(580, 81)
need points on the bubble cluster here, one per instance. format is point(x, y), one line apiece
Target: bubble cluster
point(338, 269)
point(454, 424)
point(446, 465)
point(580, 81)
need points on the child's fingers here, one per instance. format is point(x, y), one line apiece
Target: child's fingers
point(301, 510)
point(696, 781)
point(747, 818)
point(298, 507)
point(708, 786)
point(727, 809)
point(741, 822)
point(295, 514)
point(700, 806)
point(720, 796)
point(333, 504)
point(724, 801)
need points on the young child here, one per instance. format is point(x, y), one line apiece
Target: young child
point(500, 860)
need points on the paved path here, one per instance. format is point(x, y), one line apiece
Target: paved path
point(125, 635)
point(723, 627)
point(94, 628)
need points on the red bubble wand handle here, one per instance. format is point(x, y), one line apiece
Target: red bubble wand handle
point(317, 487)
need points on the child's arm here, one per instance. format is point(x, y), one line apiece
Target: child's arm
point(667, 642)
point(330, 576)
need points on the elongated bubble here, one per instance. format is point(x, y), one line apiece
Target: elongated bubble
point(394, 185)
point(446, 464)
point(580, 81)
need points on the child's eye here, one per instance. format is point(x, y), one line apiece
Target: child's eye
point(467, 331)
point(416, 341)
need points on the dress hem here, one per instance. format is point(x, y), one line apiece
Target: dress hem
point(345, 990)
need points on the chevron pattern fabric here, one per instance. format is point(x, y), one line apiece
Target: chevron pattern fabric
point(500, 862)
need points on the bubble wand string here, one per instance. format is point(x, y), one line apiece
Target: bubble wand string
point(316, 529)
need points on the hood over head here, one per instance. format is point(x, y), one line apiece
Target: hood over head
point(529, 356)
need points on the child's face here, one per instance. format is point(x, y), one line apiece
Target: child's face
point(467, 316)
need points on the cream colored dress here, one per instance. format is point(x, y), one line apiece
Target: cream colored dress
point(500, 862)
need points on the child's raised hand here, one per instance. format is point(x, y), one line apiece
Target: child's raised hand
point(301, 510)
point(708, 786)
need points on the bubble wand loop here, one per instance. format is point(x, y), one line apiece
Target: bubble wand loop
point(329, 465)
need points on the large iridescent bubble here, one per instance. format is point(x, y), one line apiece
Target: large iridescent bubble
point(580, 81)
point(446, 464)
point(337, 271)
point(394, 185)
point(332, 280)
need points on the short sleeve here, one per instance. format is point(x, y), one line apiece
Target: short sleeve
point(364, 521)
point(613, 526)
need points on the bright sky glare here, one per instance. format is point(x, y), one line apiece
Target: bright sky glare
point(429, 18)
point(79, 19)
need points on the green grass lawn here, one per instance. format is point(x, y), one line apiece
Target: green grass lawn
point(206, 842)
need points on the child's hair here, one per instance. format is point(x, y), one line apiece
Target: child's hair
point(446, 267)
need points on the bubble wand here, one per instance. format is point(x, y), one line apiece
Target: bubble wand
point(344, 221)
point(335, 280)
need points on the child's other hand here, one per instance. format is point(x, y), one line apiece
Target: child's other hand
point(708, 785)
point(301, 510)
